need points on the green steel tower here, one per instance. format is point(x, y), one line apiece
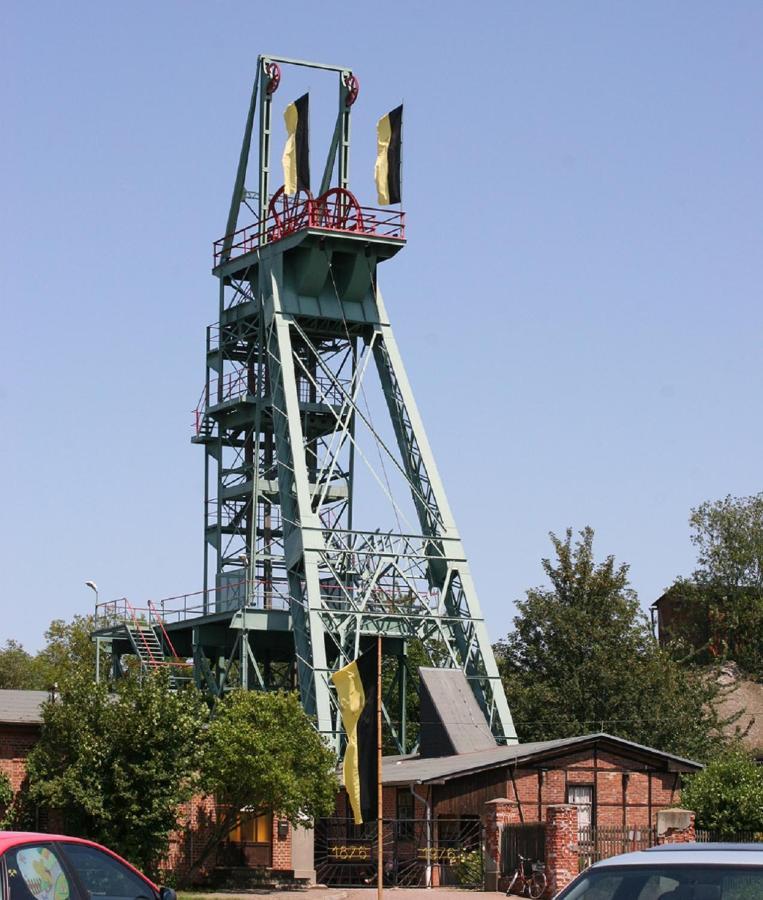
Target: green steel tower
point(306, 408)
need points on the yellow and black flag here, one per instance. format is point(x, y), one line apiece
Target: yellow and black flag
point(389, 139)
point(296, 153)
point(356, 687)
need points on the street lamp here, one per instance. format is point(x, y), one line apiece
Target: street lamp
point(94, 588)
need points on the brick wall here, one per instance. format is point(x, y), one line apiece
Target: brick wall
point(195, 823)
point(561, 846)
point(15, 743)
point(626, 792)
point(281, 850)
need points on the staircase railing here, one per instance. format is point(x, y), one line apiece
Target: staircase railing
point(167, 639)
point(152, 659)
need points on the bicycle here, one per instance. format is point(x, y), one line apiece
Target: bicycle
point(523, 884)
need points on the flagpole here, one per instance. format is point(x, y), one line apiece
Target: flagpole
point(379, 793)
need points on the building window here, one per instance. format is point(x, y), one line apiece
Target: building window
point(581, 795)
point(252, 829)
point(405, 814)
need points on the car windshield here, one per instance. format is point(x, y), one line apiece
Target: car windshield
point(685, 882)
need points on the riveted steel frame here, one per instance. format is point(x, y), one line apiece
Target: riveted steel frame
point(285, 449)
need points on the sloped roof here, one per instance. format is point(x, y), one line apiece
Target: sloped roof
point(451, 720)
point(21, 707)
point(418, 769)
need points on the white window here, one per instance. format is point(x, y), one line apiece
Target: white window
point(581, 795)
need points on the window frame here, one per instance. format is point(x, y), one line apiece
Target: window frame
point(405, 824)
point(60, 856)
point(152, 890)
point(592, 806)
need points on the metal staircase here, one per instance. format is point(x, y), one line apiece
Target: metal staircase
point(147, 645)
point(153, 646)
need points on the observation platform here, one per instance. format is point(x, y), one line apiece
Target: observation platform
point(335, 214)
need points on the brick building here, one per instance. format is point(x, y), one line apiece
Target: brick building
point(451, 793)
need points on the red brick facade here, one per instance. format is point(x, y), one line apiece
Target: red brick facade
point(626, 790)
point(562, 861)
point(15, 743)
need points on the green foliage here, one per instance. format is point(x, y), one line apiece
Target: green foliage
point(68, 652)
point(118, 766)
point(582, 658)
point(262, 753)
point(728, 535)
point(6, 801)
point(722, 604)
point(17, 669)
point(468, 869)
point(727, 796)
point(416, 657)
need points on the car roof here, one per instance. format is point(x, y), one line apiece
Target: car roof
point(676, 855)
point(11, 838)
point(723, 846)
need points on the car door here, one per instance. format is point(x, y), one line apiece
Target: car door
point(103, 877)
point(37, 871)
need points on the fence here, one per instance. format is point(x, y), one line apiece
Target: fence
point(438, 852)
point(527, 840)
point(738, 837)
point(601, 842)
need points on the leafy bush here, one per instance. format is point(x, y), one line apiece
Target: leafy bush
point(727, 796)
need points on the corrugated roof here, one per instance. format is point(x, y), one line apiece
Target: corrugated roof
point(451, 720)
point(411, 769)
point(22, 707)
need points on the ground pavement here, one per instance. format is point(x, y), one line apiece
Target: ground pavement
point(323, 893)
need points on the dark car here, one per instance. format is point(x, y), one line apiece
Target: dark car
point(55, 867)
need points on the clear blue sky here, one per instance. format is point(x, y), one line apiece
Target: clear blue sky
point(579, 304)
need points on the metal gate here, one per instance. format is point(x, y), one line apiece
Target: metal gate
point(445, 851)
point(528, 840)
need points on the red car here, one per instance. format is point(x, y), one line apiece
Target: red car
point(55, 867)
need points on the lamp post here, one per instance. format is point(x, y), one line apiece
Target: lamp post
point(94, 588)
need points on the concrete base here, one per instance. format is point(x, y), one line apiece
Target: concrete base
point(303, 853)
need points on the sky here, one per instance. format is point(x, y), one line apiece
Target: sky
point(578, 307)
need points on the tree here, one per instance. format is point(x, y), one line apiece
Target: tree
point(721, 605)
point(582, 658)
point(17, 668)
point(727, 796)
point(263, 755)
point(118, 766)
point(69, 651)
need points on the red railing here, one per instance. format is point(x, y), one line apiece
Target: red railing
point(336, 210)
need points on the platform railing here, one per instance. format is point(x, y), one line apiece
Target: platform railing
point(312, 212)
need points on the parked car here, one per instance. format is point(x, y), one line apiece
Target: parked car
point(674, 872)
point(55, 867)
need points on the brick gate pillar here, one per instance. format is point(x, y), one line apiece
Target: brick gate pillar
point(496, 814)
point(562, 863)
point(675, 826)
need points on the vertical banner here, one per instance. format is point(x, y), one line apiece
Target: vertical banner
point(296, 153)
point(389, 141)
point(356, 688)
